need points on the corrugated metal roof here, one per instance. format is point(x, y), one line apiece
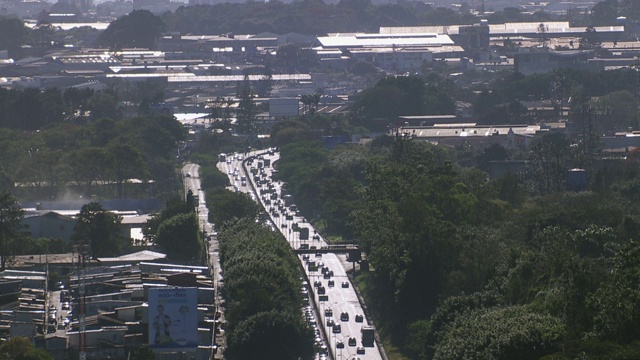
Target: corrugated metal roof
point(497, 29)
point(376, 40)
point(464, 131)
point(230, 78)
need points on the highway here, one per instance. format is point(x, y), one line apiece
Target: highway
point(339, 295)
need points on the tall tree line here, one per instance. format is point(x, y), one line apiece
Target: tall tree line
point(465, 266)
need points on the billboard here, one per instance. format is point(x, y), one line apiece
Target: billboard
point(173, 318)
point(284, 107)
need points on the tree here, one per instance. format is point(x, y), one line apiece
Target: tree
point(99, 229)
point(604, 13)
point(11, 214)
point(379, 106)
point(271, 335)
point(247, 108)
point(174, 206)
point(362, 68)
point(622, 110)
point(500, 333)
point(103, 104)
point(213, 178)
point(225, 206)
point(139, 29)
point(126, 163)
point(14, 35)
point(590, 39)
point(495, 152)
point(262, 283)
point(179, 236)
point(548, 163)
point(615, 303)
point(87, 166)
point(290, 131)
point(293, 57)
point(21, 348)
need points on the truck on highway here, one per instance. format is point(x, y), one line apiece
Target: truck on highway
point(368, 335)
point(304, 233)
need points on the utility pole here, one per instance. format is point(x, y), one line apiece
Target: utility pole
point(82, 322)
point(46, 296)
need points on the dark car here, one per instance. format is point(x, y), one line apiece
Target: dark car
point(328, 313)
point(344, 316)
point(331, 283)
point(330, 322)
point(345, 284)
point(339, 345)
point(337, 329)
point(352, 341)
point(359, 318)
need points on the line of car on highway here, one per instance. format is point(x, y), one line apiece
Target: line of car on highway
point(283, 215)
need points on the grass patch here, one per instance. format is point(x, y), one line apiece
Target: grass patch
point(333, 239)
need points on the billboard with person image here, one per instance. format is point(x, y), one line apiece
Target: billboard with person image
point(173, 318)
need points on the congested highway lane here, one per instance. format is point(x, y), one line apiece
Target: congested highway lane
point(337, 298)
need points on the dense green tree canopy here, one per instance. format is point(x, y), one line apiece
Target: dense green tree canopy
point(225, 206)
point(11, 214)
point(378, 107)
point(21, 348)
point(100, 229)
point(139, 29)
point(517, 267)
point(180, 237)
point(173, 207)
point(262, 283)
point(15, 34)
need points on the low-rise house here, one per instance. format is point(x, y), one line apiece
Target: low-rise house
point(49, 224)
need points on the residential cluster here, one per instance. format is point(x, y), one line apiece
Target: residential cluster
point(117, 316)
